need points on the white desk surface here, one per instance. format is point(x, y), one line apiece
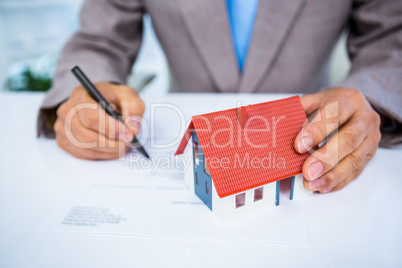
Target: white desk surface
point(359, 226)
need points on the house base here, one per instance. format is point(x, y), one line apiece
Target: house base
point(225, 208)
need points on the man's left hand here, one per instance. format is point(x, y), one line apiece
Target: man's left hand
point(355, 128)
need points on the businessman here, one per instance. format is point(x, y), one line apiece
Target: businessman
point(243, 46)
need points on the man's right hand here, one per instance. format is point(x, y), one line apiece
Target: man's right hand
point(86, 131)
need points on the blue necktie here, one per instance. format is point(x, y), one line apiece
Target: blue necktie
point(242, 15)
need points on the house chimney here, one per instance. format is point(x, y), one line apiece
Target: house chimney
point(242, 116)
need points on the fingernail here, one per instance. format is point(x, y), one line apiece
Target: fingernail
point(314, 185)
point(122, 137)
point(134, 125)
point(305, 143)
point(126, 136)
point(129, 136)
point(314, 170)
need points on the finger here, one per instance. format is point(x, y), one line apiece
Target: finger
point(346, 181)
point(89, 154)
point(87, 143)
point(82, 137)
point(342, 183)
point(311, 102)
point(353, 162)
point(81, 152)
point(95, 118)
point(131, 106)
point(99, 121)
point(341, 144)
point(345, 168)
point(126, 101)
point(330, 117)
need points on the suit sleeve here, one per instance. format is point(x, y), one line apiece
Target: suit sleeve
point(105, 47)
point(375, 49)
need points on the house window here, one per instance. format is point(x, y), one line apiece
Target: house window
point(196, 178)
point(240, 200)
point(207, 187)
point(258, 194)
point(206, 169)
point(196, 154)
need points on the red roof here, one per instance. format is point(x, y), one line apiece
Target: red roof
point(241, 158)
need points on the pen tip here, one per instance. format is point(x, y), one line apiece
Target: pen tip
point(139, 147)
point(143, 152)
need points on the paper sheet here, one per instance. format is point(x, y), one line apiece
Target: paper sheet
point(159, 205)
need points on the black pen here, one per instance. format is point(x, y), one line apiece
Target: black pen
point(97, 96)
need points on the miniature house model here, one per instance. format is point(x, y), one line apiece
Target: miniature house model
point(241, 155)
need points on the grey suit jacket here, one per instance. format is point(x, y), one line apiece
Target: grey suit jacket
point(289, 50)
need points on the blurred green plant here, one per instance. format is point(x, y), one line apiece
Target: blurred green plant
point(29, 81)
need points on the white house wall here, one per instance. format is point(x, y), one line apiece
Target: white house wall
point(189, 173)
point(218, 204)
point(226, 210)
point(299, 191)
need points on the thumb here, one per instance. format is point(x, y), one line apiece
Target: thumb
point(311, 102)
point(131, 108)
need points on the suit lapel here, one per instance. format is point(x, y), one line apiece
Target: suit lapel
point(208, 24)
point(274, 21)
